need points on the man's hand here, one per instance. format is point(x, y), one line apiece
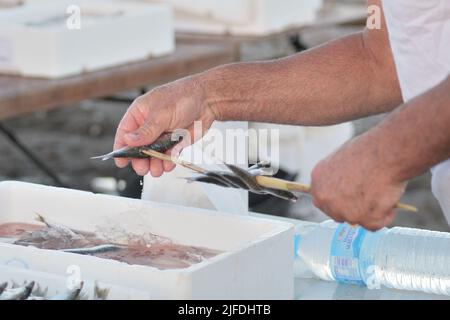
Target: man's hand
point(352, 185)
point(164, 109)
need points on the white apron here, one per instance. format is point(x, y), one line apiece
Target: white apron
point(419, 32)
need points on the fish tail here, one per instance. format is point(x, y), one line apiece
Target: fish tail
point(120, 153)
point(104, 157)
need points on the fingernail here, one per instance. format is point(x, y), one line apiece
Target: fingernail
point(134, 136)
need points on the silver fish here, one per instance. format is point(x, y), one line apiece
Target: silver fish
point(38, 293)
point(20, 293)
point(100, 294)
point(93, 250)
point(73, 294)
point(60, 228)
point(241, 179)
point(164, 143)
point(3, 287)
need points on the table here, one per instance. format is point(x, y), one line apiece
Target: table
point(20, 96)
point(313, 289)
point(279, 44)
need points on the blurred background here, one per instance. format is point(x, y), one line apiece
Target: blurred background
point(52, 122)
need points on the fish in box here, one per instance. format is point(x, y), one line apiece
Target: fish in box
point(253, 256)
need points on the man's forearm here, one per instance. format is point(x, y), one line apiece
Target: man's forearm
point(336, 82)
point(414, 137)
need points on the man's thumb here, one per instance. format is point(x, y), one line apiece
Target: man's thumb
point(146, 134)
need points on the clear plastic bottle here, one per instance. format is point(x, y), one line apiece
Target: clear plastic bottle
point(400, 258)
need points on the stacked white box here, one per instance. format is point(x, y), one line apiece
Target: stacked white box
point(243, 17)
point(256, 263)
point(53, 39)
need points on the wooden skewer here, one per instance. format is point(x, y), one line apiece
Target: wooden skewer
point(264, 181)
point(165, 157)
point(279, 184)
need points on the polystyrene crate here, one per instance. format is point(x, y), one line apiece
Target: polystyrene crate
point(256, 263)
point(43, 39)
point(242, 17)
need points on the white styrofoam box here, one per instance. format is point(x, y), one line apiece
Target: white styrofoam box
point(35, 40)
point(256, 263)
point(57, 284)
point(243, 17)
point(230, 11)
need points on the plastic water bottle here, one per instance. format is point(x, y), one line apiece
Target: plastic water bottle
point(400, 258)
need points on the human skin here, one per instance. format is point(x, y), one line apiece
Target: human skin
point(343, 80)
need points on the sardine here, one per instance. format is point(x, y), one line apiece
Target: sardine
point(59, 228)
point(73, 294)
point(38, 293)
point(3, 287)
point(100, 294)
point(93, 250)
point(164, 143)
point(20, 293)
point(242, 179)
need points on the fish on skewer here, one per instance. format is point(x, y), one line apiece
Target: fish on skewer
point(162, 144)
point(255, 183)
point(227, 180)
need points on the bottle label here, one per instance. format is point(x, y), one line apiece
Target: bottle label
point(296, 244)
point(345, 251)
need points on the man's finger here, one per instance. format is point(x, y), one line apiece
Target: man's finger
point(127, 124)
point(389, 218)
point(156, 167)
point(141, 166)
point(147, 133)
point(168, 165)
point(373, 225)
point(121, 162)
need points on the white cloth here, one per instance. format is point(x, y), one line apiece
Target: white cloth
point(419, 32)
